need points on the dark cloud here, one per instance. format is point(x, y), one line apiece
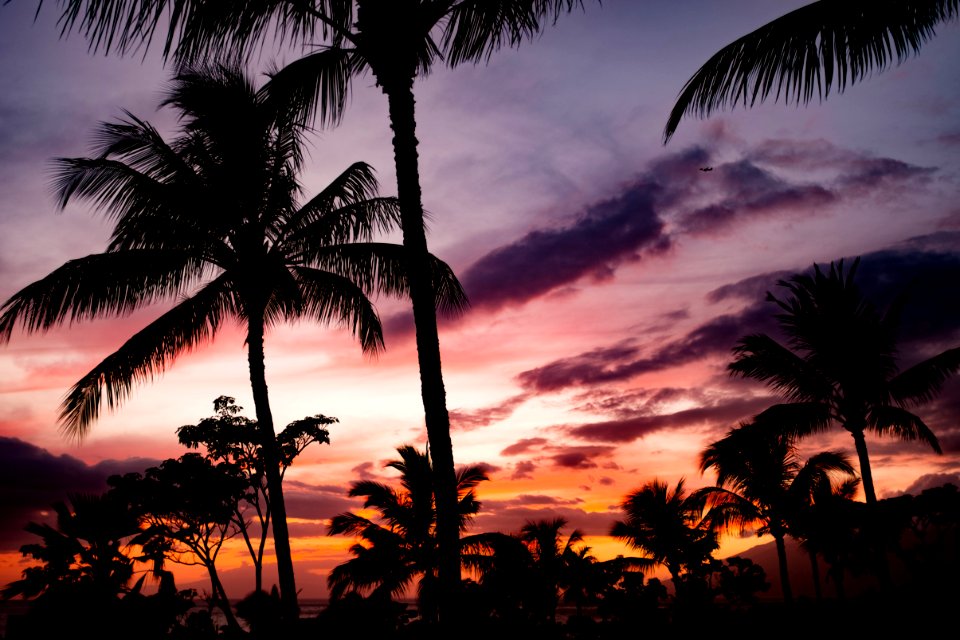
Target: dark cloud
point(607, 234)
point(523, 470)
point(620, 362)
point(506, 517)
point(486, 416)
point(32, 479)
point(750, 192)
point(932, 481)
point(316, 502)
point(523, 446)
point(525, 499)
point(724, 413)
point(579, 457)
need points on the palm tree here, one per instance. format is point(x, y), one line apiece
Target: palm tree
point(673, 528)
point(397, 41)
point(761, 479)
point(400, 546)
point(839, 366)
point(214, 221)
point(551, 559)
point(805, 53)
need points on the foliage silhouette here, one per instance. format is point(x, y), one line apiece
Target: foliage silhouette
point(671, 527)
point(761, 479)
point(806, 52)
point(232, 438)
point(213, 220)
point(186, 506)
point(399, 548)
point(397, 42)
point(839, 365)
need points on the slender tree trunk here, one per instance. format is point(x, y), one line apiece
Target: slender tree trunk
point(866, 476)
point(815, 575)
point(271, 463)
point(784, 572)
point(221, 595)
point(403, 123)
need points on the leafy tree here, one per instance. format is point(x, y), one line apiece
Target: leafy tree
point(230, 437)
point(397, 42)
point(399, 547)
point(81, 580)
point(761, 479)
point(839, 366)
point(190, 525)
point(809, 51)
point(214, 221)
point(673, 528)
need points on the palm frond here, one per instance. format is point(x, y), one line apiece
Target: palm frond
point(98, 285)
point(796, 419)
point(760, 357)
point(806, 53)
point(333, 299)
point(923, 381)
point(474, 30)
point(316, 86)
point(897, 421)
point(145, 355)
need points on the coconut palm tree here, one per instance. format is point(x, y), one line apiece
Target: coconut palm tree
point(761, 479)
point(673, 528)
point(397, 42)
point(214, 220)
point(839, 366)
point(809, 51)
point(399, 547)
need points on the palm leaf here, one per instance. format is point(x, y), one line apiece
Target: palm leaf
point(889, 419)
point(145, 355)
point(475, 29)
point(98, 285)
point(809, 51)
point(317, 85)
point(796, 419)
point(329, 298)
point(923, 381)
point(760, 357)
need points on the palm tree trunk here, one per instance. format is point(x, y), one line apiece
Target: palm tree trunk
point(271, 463)
point(815, 575)
point(866, 476)
point(784, 574)
point(403, 123)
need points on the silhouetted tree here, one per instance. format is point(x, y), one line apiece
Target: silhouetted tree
point(671, 527)
point(399, 548)
point(809, 51)
point(396, 42)
point(187, 505)
point(230, 437)
point(839, 366)
point(213, 220)
point(761, 479)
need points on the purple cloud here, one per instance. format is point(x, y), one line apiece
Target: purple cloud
point(523, 470)
point(523, 446)
point(486, 416)
point(609, 233)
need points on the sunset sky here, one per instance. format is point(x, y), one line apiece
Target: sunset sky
point(609, 276)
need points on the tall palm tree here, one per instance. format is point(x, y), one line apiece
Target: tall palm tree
point(399, 547)
point(396, 41)
point(214, 220)
point(762, 480)
point(673, 528)
point(805, 53)
point(839, 365)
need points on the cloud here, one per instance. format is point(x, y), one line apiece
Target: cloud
point(466, 420)
point(607, 234)
point(523, 446)
point(506, 517)
point(621, 362)
point(724, 413)
point(932, 481)
point(32, 479)
point(523, 470)
point(578, 457)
